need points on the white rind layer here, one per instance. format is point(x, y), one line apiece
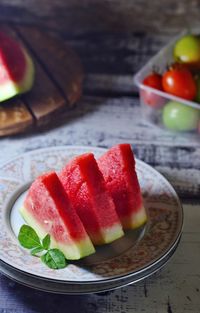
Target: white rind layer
point(136, 220)
point(107, 235)
point(72, 251)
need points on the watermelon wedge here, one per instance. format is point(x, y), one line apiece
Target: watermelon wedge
point(16, 68)
point(87, 192)
point(118, 168)
point(47, 210)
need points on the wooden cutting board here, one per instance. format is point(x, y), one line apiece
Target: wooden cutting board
point(57, 85)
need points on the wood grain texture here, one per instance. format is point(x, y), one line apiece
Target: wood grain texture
point(107, 15)
point(98, 121)
point(14, 112)
point(111, 59)
point(63, 66)
point(57, 84)
point(44, 99)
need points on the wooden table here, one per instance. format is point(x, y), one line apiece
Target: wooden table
point(109, 113)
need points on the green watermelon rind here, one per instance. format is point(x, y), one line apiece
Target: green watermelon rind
point(10, 89)
point(76, 251)
point(27, 82)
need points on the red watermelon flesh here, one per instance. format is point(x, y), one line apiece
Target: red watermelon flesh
point(47, 209)
point(16, 68)
point(118, 168)
point(87, 192)
point(12, 60)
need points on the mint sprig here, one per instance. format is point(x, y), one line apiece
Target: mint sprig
point(37, 250)
point(46, 242)
point(53, 258)
point(28, 238)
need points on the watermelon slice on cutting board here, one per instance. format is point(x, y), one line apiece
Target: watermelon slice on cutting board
point(47, 209)
point(118, 168)
point(16, 68)
point(87, 192)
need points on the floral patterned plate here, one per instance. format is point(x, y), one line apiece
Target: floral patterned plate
point(129, 259)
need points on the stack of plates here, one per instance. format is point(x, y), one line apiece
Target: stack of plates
point(137, 255)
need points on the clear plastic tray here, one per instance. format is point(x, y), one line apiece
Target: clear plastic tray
point(148, 95)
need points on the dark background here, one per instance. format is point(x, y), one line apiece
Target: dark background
point(75, 16)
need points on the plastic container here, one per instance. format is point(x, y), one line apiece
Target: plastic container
point(154, 102)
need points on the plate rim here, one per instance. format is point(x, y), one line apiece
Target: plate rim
point(124, 283)
point(116, 277)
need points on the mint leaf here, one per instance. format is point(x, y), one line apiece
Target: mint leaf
point(36, 250)
point(28, 237)
point(54, 259)
point(46, 242)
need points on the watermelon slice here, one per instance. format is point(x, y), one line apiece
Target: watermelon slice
point(87, 192)
point(16, 68)
point(47, 210)
point(118, 168)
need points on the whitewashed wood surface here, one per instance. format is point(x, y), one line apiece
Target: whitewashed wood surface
point(105, 122)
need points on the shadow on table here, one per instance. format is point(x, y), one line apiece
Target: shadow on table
point(30, 300)
point(88, 105)
point(84, 107)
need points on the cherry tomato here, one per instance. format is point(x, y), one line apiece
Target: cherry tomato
point(179, 81)
point(197, 97)
point(153, 80)
point(187, 50)
point(152, 99)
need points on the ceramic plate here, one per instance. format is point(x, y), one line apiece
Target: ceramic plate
point(133, 257)
point(74, 289)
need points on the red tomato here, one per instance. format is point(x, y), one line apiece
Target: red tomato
point(179, 81)
point(150, 98)
point(154, 80)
